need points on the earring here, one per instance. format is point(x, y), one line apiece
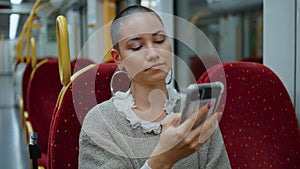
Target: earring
point(120, 81)
point(170, 75)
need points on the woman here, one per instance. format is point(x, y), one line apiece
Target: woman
point(138, 128)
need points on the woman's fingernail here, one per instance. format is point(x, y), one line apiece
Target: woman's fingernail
point(208, 105)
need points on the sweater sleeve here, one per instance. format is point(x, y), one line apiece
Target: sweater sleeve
point(217, 156)
point(92, 156)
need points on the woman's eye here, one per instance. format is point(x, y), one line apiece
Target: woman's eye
point(136, 48)
point(160, 39)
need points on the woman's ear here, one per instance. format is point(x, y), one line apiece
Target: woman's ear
point(116, 56)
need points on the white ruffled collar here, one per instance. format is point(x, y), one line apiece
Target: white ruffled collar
point(124, 102)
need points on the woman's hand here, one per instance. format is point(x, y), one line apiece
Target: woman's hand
point(179, 142)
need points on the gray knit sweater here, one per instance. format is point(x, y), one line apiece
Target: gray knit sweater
point(108, 141)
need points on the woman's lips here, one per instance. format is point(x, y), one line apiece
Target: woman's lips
point(155, 67)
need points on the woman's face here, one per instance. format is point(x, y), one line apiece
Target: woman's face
point(144, 48)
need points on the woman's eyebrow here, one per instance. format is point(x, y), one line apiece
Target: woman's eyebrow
point(159, 32)
point(133, 39)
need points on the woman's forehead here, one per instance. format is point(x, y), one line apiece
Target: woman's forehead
point(137, 24)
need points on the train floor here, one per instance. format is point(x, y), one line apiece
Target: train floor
point(13, 151)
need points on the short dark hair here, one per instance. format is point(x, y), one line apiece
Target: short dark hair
point(131, 10)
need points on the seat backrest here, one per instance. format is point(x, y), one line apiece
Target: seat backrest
point(25, 80)
point(259, 124)
point(87, 88)
point(43, 88)
point(80, 63)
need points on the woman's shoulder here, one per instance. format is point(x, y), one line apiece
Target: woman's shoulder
point(104, 107)
point(104, 110)
point(108, 104)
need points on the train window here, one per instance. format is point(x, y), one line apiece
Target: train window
point(234, 28)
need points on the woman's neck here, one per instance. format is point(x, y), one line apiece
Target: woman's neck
point(149, 101)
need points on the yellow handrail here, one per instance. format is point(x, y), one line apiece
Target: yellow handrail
point(36, 25)
point(109, 12)
point(28, 130)
point(43, 6)
point(195, 18)
point(33, 54)
point(19, 47)
point(63, 50)
point(26, 31)
point(29, 26)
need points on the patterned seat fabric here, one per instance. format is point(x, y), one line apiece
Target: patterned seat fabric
point(25, 80)
point(259, 124)
point(76, 65)
point(42, 92)
point(84, 92)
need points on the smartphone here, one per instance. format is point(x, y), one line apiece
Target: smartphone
point(198, 95)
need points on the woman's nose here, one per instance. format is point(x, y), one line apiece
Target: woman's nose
point(151, 54)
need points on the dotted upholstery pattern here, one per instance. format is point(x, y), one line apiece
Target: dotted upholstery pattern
point(76, 65)
point(259, 124)
point(25, 81)
point(42, 92)
point(84, 92)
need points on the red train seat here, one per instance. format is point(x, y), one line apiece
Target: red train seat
point(259, 124)
point(43, 89)
point(87, 88)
